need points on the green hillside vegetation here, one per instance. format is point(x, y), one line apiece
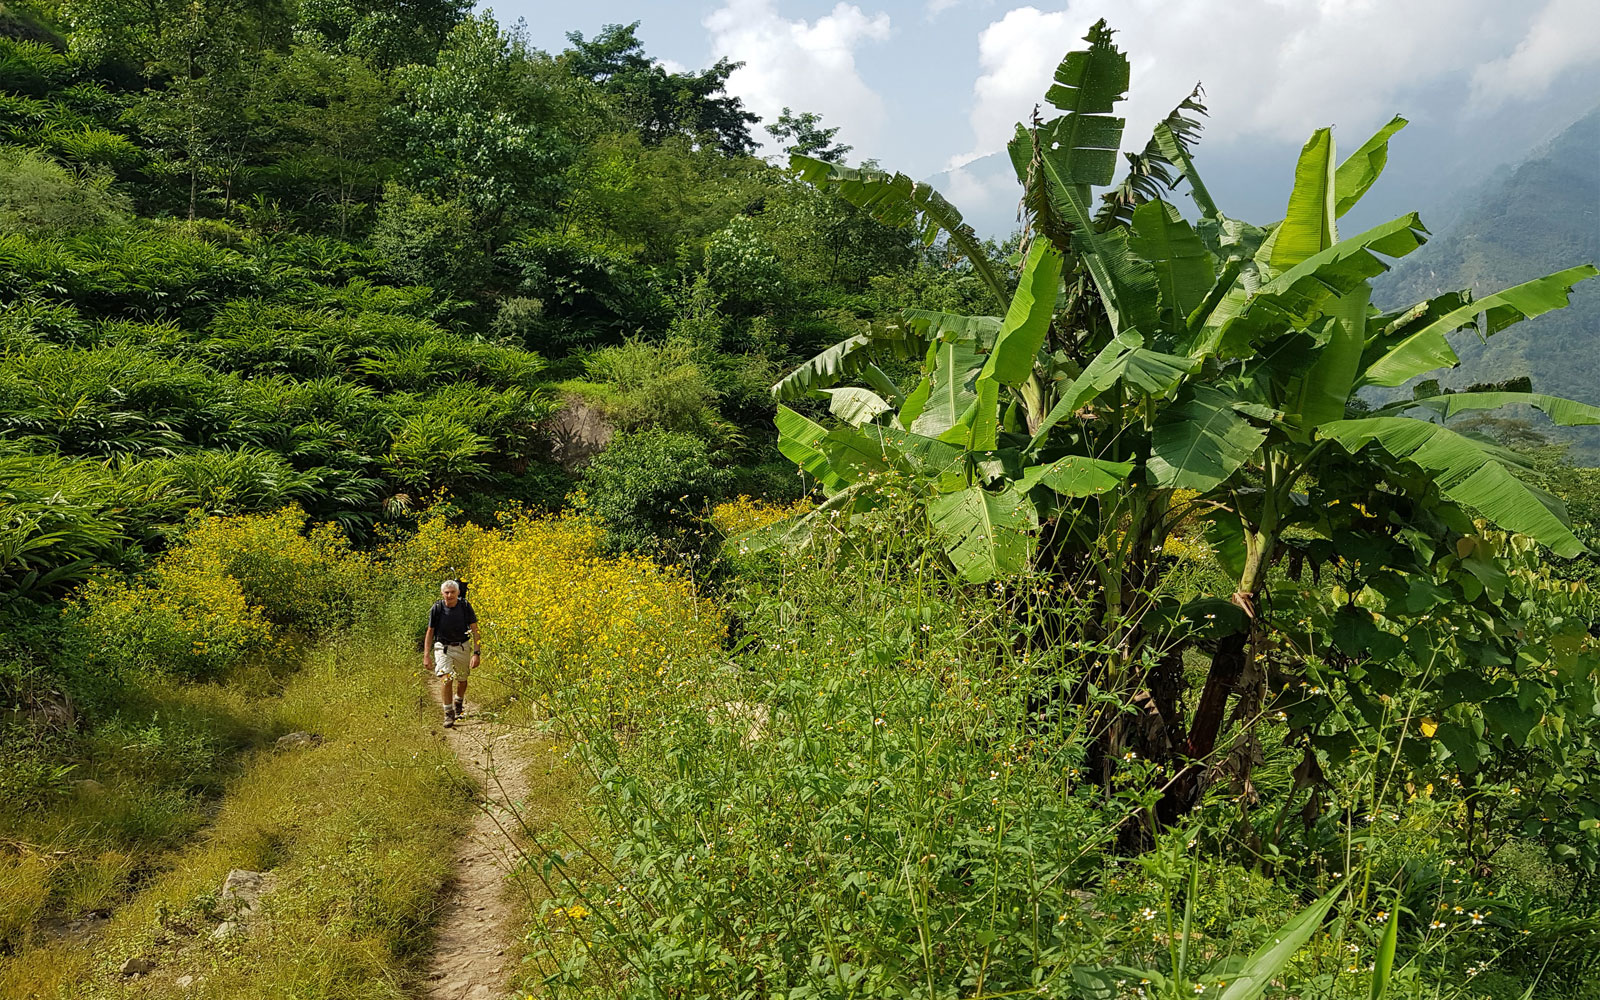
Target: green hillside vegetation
point(1134, 610)
point(1525, 221)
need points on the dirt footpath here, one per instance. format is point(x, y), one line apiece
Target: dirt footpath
point(471, 948)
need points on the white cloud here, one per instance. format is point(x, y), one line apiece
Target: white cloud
point(1565, 35)
point(1276, 69)
point(807, 66)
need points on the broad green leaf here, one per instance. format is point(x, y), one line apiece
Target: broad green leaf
point(1358, 173)
point(1326, 388)
point(1272, 958)
point(897, 200)
point(1076, 476)
point(856, 406)
point(1428, 348)
point(1464, 471)
point(930, 325)
point(986, 415)
point(852, 454)
point(929, 456)
point(1154, 373)
point(800, 441)
point(1303, 294)
point(1089, 83)
point(1184, 268)
point(1308, 226)
point(1201, 441)
point(950, 392)
point(795, 531)
point(986, 535)
point(823, 370)
point(1032, 306)
point(1563, 412)
point(1092, 80)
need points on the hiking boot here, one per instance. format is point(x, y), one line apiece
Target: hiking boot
point(460, 709)
point(450, 718)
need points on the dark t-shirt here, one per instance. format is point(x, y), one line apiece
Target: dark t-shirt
point(450, 624)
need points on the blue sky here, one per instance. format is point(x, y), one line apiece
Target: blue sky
point(931, 86)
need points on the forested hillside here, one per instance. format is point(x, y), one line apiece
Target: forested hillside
point(1523, 222)
point(297, 255)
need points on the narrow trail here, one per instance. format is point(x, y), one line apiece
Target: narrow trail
point(471, 959)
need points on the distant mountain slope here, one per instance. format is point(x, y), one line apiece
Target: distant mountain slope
point(1538, 217)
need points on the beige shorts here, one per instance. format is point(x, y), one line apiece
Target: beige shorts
point(452, 661)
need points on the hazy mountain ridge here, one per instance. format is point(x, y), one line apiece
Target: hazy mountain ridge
point(1541, 216)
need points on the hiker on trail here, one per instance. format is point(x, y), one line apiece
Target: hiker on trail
point(449, 623)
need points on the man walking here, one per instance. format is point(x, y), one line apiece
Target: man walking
point(449, 625)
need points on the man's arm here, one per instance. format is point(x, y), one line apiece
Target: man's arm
point(477, 643)
point(427, 647)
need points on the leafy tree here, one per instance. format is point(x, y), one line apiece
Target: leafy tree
point(385, 33)
point(327, 120)
point(482, 125)
point(176, 39)
point(659, 104)
point(648, 488)
point(803, 133)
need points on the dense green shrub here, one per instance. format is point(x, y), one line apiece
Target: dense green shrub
point(660, 385)
point(38, 195)
point(588, 290)
point(649, 487)
point(430, 241)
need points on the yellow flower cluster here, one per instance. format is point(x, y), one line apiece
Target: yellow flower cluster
point(598, 634)
point(735, 517)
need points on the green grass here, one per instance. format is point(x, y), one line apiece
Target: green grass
point(360, 831)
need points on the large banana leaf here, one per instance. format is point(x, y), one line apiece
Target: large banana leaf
point(1184, 268)
point(1070, 153)
point(942, 463)
point(897, 200)
point(1465, 472)
point(1089, 83)
point(1326, 388)
point(986, 535)
point(1201, 441)
point(1028, 320)
point(1076, 476)
point(950, 391)
point(1305, 292)
point(930, 325)
point(822, 370)
point(1309, 225)
point(1426, 349)
point(1154, 373)
point(800, 441)
point(1564, 412)
point(856, 406)
point(1361, 170)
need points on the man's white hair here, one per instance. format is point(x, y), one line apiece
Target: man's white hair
point(450, 585)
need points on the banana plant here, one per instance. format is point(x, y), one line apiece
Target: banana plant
point(1140, 354)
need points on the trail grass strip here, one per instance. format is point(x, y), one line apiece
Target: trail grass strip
point(357, 830)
